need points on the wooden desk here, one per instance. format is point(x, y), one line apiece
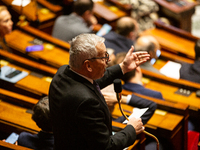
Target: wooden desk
point(13, 97)
point(173, 40)
point(45, 16)
point(180, 14)
point(162, 124)
point(15, 119)
point(57, 9)
point(28, 64)
point(107, 13)
point(43, 36)
point(168, 92)
point(53, 56)
point(30, 85)
point(8, 146)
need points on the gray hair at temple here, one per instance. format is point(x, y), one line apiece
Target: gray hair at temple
point(83, 47)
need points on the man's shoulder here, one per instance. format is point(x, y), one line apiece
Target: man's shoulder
point(110, 34)
point(25, 135)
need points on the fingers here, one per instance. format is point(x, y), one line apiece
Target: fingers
point(137, 124)
point(140, 130)
point(141, 58)
point(131, 50)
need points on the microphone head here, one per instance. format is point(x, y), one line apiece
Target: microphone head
point(117, 85)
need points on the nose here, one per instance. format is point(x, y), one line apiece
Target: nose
point(10, 22)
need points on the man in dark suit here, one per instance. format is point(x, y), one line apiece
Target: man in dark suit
point(124, 35)
point(133, 82)
point(81, 20)
point(191, 72)
point(80, 116)
point(44, 140)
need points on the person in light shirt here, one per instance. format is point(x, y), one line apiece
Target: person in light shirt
point(6, 25)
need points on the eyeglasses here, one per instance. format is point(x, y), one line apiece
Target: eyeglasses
point(106, 57)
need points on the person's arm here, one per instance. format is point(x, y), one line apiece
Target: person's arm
point(93, 125)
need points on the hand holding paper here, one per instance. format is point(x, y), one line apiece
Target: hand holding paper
point(137, 113)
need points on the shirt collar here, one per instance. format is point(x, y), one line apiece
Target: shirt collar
point(89, 79)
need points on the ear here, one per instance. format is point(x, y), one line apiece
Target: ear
point(151, 54)
point(132, 35)
point(86, 14)
point(88, 66)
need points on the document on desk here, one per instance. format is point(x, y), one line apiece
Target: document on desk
point(171, 69)
point(15, 77)
point(22, 3)
point(137, 113)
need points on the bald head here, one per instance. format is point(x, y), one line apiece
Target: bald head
point(147, 43)
point(127, 25)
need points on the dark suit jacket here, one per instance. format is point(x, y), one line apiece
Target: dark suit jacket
point(117, 42)
point(40, 141)
point(81, 119)
point(137, 88)
point(190, 72)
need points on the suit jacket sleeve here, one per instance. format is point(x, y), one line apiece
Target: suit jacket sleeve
point(143, 103)
point(93, 127)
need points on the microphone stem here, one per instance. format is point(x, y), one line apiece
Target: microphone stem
point(147, 133)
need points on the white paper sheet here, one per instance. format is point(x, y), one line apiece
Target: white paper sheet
point(7, 69)
point(22, 3)
point(137, 113)
point(171, 69)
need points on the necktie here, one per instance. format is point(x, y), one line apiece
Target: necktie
point(97, 86)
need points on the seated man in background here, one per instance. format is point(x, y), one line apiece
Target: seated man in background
point(81, 20)
point(132, 100)
point(44, 140)
point(191, 72)
point(6, 25)
point(133, 80)
point(124, 35)
point(150, 44)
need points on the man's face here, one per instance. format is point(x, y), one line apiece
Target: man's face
point(99, 65)
point(5, 23)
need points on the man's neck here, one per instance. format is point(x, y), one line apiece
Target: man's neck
point(82, 74)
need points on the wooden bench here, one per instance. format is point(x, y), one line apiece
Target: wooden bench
point(14, 124)
point(173, 40)
point(51, 55)
point(26, 63)
point(14, 118)
point(179, 16)
point(44, 36)
point(8, 146)
point(57, 9)
point(108, 13)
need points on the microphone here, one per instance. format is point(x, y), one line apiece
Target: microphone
point(118, 90)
